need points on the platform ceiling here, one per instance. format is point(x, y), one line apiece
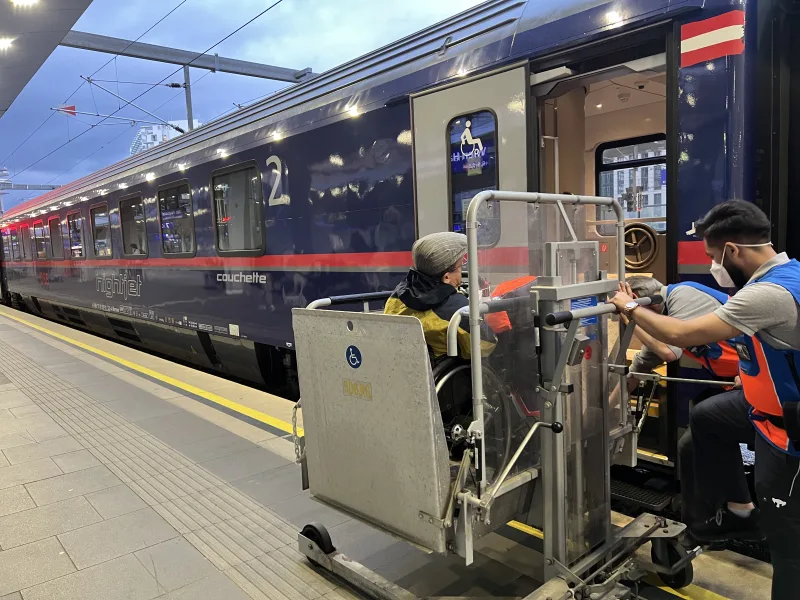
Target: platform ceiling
point(35, 31)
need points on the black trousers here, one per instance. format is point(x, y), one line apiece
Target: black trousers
point(779, 501)
point(718, 425)
point(707, 484)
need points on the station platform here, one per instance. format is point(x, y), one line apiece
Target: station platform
point(124, 476)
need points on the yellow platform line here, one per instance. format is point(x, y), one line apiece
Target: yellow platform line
point(691, 592)
point(186, 387)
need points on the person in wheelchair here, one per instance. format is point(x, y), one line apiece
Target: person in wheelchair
point(430, 292)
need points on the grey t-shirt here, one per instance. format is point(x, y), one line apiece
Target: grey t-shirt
point(765, 308)
point(684, 303)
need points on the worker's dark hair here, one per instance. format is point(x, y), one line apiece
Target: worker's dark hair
point(736, 221)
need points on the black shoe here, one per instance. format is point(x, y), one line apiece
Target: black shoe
point(689, 543)
point(727, 526)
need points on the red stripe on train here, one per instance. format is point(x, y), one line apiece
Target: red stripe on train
point(692, 253)
point(491, 257)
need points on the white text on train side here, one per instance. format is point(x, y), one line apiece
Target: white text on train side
point(119, 285)
point(254, 277)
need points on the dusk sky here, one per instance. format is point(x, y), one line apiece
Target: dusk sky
point(320, 34)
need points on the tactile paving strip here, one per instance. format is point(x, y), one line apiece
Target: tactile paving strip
point(253, 545)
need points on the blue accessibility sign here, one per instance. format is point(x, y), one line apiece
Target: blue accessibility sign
point(588, 302)
point(353, 356)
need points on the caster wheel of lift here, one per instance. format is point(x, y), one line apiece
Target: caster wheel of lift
point(317, 533)
point(666, 553)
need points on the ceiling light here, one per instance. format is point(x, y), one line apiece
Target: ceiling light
point(182, 166)
point(24, 3)
point(277, 136)
point(353, 110)
point(599, 106)
point(5, 43)
point(150, 176)
point(614, 18)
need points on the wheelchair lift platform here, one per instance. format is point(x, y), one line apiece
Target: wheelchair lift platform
point(534, 443)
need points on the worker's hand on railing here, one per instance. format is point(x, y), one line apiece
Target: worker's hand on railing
point(606, 308)
point(622, 297)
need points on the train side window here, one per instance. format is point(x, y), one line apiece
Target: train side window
point(473, 169)
point(15, 248)
point(75, 235)
point(101, 231)
point(634, 172)
point(176, 214)
point(39, 241)
point(7, 252)
point(25, 242)
point(56, 241)
point(134, 229)
point(239, 210)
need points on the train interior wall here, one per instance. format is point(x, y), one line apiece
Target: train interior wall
point(584, 118)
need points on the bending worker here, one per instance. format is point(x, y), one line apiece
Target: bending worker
point(430, 293)
point(684, 301)
point(765, 313)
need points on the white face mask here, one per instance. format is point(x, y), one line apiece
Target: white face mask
point(720, 273)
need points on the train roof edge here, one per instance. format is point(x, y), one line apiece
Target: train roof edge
point(476, 28)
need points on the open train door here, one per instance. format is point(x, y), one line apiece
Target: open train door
point(468, 137)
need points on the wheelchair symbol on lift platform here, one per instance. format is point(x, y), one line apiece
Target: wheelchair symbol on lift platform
point(353, 356)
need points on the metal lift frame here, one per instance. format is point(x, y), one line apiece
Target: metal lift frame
point(599, 572)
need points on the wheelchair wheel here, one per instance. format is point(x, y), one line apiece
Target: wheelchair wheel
point(453, 380)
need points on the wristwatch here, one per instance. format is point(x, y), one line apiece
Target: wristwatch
point(630, 307)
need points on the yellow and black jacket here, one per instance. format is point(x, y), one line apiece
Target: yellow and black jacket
point(434, 303)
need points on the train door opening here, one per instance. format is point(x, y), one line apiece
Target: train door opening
point(598, 127)
point(604, 133)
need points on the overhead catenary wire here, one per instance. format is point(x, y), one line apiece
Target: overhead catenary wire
point(110, 60)
point(116, 137)
point(127, 102)
point(169, 85)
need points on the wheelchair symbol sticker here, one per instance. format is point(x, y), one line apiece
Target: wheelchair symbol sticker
point(475, 144)
point(353, 356)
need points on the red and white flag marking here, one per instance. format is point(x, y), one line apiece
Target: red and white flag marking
point(712, 38)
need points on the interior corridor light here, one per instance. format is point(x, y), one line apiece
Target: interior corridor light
point(5, 43)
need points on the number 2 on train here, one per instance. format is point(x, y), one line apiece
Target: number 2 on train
point(275, 162)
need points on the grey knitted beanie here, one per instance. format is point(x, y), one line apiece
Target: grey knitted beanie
point(434, 254)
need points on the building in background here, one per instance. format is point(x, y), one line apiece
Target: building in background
point(150, 136)
point(635, 174)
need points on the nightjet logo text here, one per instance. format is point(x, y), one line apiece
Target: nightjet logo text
point(119, 285)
